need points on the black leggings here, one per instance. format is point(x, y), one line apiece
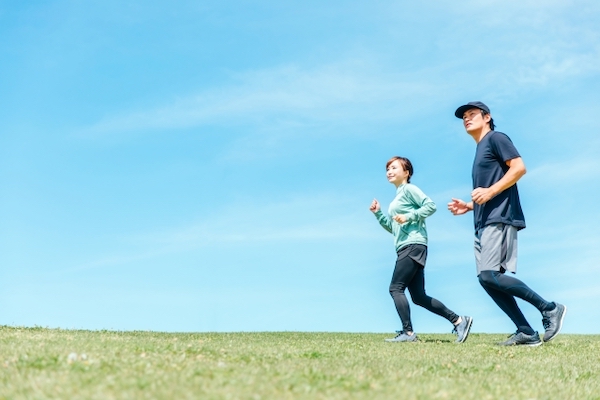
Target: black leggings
point(409, 274)
point(503, 289)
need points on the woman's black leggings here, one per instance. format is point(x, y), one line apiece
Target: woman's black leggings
point(409, 274)
point(503, 289)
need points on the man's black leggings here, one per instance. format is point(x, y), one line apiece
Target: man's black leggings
point(503, 289)
point(409, 274)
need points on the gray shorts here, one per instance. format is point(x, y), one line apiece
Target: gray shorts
point(496, 248)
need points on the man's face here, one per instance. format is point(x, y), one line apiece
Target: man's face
point(474, 121)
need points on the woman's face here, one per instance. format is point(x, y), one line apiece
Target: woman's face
point(396, 174)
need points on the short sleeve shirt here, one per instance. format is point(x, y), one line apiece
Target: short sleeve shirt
point(489, 167)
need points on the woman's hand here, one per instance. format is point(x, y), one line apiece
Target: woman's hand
point(374, 206)
point(400, 218)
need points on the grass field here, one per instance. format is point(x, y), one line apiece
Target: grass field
point(39, 363)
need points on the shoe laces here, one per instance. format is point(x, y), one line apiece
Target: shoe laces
point(546, 322)
point(455, 329)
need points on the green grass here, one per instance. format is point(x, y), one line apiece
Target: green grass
point(38, 363)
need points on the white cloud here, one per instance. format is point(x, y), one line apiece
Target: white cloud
point(525, 12)
point(368, 85)
point(316, 217)
point(339, 91)
point(576, 170)
point(524, 44)
point(555, 59)
point(304, 218)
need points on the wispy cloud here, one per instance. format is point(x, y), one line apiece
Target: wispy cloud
point(330, 92)
point(305, 217)
point(542, 63)
point(367, 85)
point(529, 12)
point(522, 44)
point(578, 170)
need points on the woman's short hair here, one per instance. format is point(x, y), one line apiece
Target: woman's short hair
point(406, 165)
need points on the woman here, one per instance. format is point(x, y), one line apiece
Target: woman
point(406, 221)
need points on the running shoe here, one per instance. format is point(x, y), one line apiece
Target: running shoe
point(403, 337)
point(553, 320)
point(522, 339)
point(462, 330)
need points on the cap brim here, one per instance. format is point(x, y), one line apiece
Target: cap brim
point(461, 110)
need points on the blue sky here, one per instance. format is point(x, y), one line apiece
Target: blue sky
point(208, 166)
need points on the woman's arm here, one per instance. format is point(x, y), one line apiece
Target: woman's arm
point(384, 221)
point(424, 205)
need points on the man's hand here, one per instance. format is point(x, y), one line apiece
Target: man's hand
point(374, 206)
point(459, 207)
point(482, 195)
point(516, 169)
point(400, 218)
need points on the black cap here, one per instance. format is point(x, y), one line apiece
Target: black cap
point(472, 104)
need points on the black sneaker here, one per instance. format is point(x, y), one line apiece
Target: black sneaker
point(522, 339)
point(403, 337)
point(553, 320)
point(462, 329)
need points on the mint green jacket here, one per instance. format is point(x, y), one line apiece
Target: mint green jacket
point(416, 206)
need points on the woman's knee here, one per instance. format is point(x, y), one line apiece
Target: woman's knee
point(397, 288)
point(420, 299)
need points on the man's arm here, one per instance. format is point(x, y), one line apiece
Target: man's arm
point(516, 169)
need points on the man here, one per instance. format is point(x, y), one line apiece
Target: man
point(498, 216)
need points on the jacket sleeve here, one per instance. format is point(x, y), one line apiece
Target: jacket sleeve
point(424, 206)
point(384, 220)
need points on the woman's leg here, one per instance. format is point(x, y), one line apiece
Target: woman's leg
point(403, 274)
point(416, 287)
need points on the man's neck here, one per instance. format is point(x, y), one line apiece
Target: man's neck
point(479, 135)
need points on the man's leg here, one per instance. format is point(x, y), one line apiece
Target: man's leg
point(493, 254)
point(507, 303)
point(514, 287)
point(553, 313)
point(496, 253)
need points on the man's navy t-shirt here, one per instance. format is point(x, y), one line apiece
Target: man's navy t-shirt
point(489, 167)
